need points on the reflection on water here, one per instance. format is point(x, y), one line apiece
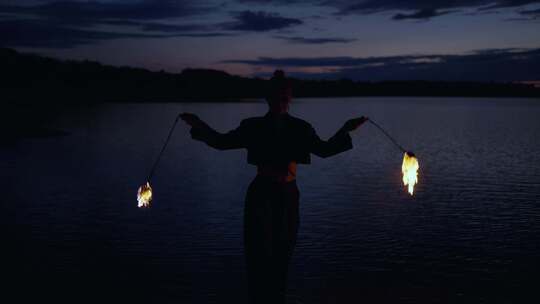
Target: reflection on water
point(470, 232)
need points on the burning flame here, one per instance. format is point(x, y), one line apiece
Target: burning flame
point(410, 171)
point(144, 195)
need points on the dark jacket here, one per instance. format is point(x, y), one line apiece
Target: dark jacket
point(275, 140)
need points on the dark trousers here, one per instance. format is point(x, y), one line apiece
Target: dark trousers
point(270, 227)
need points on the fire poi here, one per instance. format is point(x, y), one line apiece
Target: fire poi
point(410, 165)
point(144, 194)
point(409, 168)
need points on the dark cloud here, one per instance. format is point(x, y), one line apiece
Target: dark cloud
point(304, 40)
point(39, 34)
point(387, 5)
point(484, 65)
point(95, 12)
point(62, 24)
point(422, 9)
point(65, 24)
point(259, 21)
point(423, 14)
point(533, 14)
point(341, 62)
point(370, 6)
point(509, 3)
point(409, 9)
point(162, 27)
point(35, 33)
point(280, 2)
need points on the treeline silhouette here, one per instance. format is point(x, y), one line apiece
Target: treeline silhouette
point(28, 78)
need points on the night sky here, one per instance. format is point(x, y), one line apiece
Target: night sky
point(485, 40)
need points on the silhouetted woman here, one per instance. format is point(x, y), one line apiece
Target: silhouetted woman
point(276, 143)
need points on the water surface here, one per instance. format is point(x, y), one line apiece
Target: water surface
point(471, 232)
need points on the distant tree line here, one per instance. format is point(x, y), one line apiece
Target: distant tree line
point(31, 78)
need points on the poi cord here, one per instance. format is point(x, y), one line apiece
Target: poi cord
point(388, 135)
point(163, 149)
point(178, 118)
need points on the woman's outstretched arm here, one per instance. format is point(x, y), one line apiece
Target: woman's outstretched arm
point(338, 143)
point(201, 131)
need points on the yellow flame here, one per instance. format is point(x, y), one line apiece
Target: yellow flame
point(410, 171)
point(144, 195)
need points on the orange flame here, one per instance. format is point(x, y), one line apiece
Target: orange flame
point(144, 196)
point(410, 171)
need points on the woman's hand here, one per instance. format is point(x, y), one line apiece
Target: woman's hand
point(193, 120)
point(353, 124)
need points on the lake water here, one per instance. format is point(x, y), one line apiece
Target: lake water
point(471, 232)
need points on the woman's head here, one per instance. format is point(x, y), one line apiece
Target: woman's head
point(279, 92)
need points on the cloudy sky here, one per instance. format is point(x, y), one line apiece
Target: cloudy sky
point(486, 40)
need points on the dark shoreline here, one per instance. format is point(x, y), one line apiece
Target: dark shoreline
point(32, 79)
